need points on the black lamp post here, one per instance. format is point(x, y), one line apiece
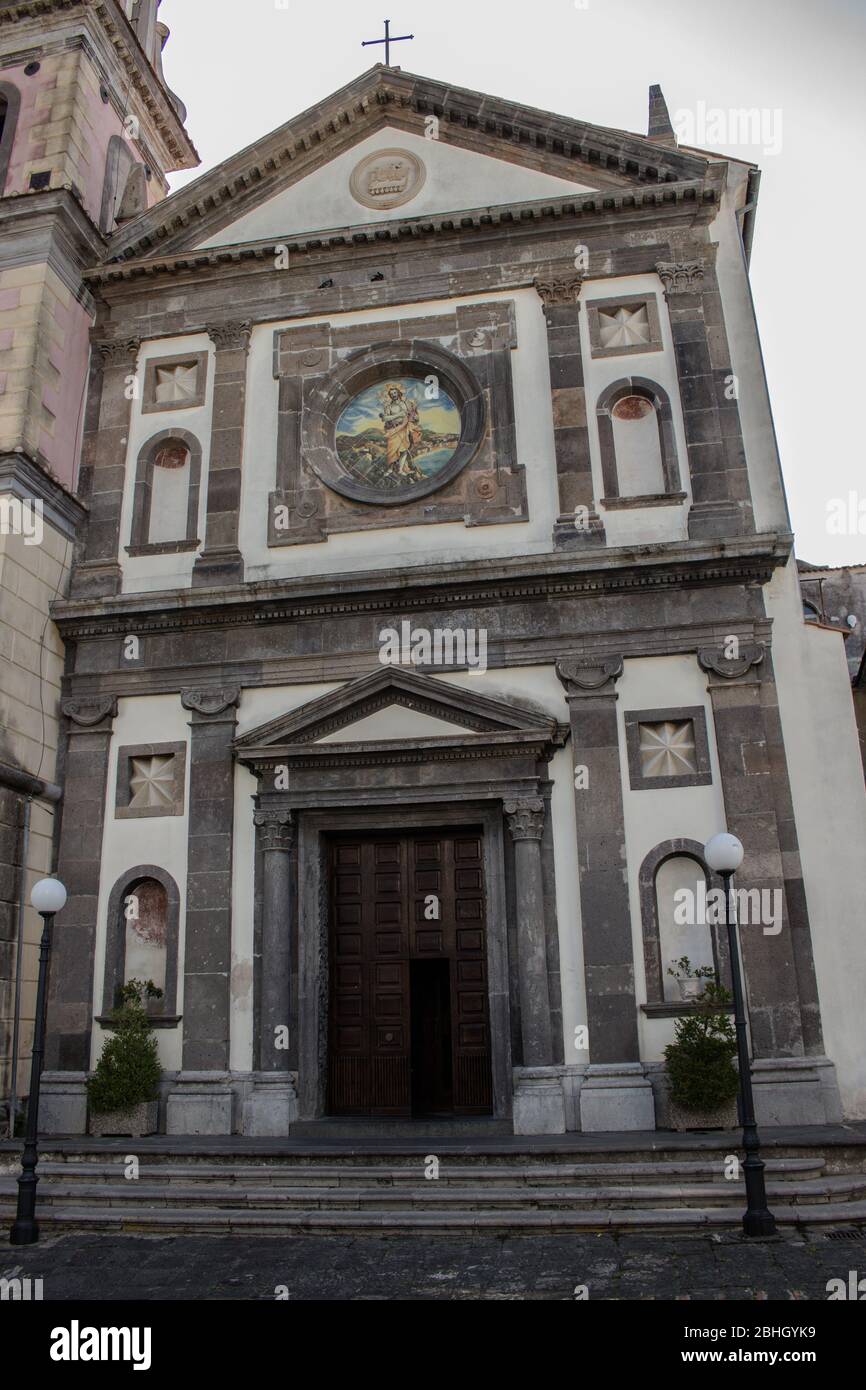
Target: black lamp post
point(48, 896)
point(724, 854)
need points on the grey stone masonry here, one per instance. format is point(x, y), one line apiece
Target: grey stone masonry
point(207, 963)
point(221, 562)
point(106, 432)
point(526, 824)
point(767, 948)
point(70, 1002)
point(590, 689)
point(275, 836)
point(722, 501)
point(559, 292)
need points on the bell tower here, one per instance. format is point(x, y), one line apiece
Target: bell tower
point(89, 132)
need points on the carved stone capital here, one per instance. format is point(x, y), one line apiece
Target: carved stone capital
point(276, 830)
point(586, 677)
point(560, 289)
point(681, 277)
point(525, 818)
point(231, 337)
point(714, 659)
point(86, 712)
point(211, 702)
point(120, 353)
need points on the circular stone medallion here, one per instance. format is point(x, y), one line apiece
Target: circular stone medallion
point(387, 179)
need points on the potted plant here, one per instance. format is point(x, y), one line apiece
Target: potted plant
point(691, 982)
point(700, 1067)
point(123, 1089)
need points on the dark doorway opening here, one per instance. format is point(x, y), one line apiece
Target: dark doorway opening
point(430, 994)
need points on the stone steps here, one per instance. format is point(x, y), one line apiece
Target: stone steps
point(474, 1196)
point(215, 1221)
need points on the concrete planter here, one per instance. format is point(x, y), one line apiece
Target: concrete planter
point(136, 1121)
point(725, 1117)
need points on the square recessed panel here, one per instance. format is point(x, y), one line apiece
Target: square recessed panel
point(349, 885)
point(389, 1005)
point(668, 748)
point(349, 856)
point(388, 914)
point(470, 972)
point(467, 849)
point(348, 914)
point(470, 1003)
point(349, 1006)
point(348, 943)
point(349, 1038)
point(388, 943)
point(387, 854)
point(427, 941)
point(348, 977)
point(390, 1036)
point(468, 940)
point(387, 883)
point(472, 1034)
point(427, 880)
point(467, 880)
point(428, 852)
point(389, 974)
point(468, 909)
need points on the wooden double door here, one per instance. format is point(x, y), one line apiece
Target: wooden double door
point(408, 1018)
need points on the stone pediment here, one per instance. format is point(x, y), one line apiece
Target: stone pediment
point(442, 711)
point(426, 122)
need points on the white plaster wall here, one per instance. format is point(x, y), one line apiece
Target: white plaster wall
point(826, 774)
point(762, 458)
point(645, 525)
point(142, 573)
point(403, 545)
point(457, 179)
point(159, 840)
point(673, 813)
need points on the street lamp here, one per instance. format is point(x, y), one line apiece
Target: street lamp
point(724, 855)
point(48, 896)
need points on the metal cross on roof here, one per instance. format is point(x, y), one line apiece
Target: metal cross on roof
point(387, 41)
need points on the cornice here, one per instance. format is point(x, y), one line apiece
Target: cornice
point(389, 752)
point(378, 96)
point(750, 560)
point(579, 208)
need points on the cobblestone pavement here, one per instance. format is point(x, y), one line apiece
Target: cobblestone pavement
point(434, 1267)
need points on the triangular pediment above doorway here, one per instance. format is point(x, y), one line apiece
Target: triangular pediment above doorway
point(375, 707)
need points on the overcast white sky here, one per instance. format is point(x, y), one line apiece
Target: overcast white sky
point(243, 67)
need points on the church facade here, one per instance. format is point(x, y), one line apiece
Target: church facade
point(435, 605)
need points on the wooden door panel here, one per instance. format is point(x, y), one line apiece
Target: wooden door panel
point(395, 899)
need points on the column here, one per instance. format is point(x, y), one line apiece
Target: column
point(63, 1108)
point(616, 1094)
point(272, 1103)
point(111, 391)
point(721, 497)
point(221, 562)
point(539, 1103)
point(559, 295)
point(793, 1082)
point(202, 1103)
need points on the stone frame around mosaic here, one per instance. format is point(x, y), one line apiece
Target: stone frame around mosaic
point(595, 306)
point(149, 403)
point(698, 717)
point(142, 493)
point(320, 368)
point(122, 808)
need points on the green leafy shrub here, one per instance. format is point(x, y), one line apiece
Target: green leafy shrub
point(700, 1064)
point(128, 1071)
